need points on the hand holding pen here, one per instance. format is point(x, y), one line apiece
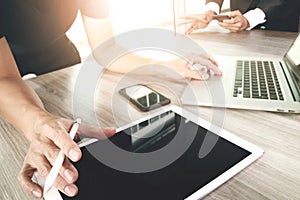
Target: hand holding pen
point(48, 138)
point(59, 160)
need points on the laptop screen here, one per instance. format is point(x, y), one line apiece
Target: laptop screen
point(292, 58)
point(294, 52)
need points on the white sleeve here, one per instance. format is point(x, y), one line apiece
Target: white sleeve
point(255, 17)
point(213, 7)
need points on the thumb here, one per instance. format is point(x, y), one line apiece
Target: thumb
point(96, 132)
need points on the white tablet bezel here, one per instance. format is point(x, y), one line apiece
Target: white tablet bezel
point(256, 152)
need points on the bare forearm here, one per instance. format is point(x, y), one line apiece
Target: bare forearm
point(20, 105)
point(104, 47)
point(109, 56)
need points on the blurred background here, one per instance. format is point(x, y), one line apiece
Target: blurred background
point(133, 14)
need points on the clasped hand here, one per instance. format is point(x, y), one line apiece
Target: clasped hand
point(238, 21)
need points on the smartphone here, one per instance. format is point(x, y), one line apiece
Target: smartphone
point(143, 97)
point(222, 17)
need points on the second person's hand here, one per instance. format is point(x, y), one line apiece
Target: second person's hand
point(196, 21)
point(238, 22)
point(185, 69)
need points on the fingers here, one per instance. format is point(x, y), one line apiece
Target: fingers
point(27, 184)
point(235, 13)
point(96, 132)
point(195, 22)
point(43, 168)
point(67, 171)
point(186, 22)
point(45, 148)
point(60, 183)
point(233, 25)
point(195, 74)
point(189, 30)
point(49, 137)
point(212, 59)
point(215, 65)
point(237, 22)
point(57, 133)
point(205, 60)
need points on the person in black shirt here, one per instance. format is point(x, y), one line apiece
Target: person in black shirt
point(35, 32)
point(33, 40)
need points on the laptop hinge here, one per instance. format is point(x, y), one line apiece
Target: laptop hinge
point(292, 83)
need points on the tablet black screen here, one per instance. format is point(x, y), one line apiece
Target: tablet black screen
point(176, 181)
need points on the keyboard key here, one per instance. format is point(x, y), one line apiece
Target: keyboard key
point(257, 79)
point(246, 93)
point(273, 97)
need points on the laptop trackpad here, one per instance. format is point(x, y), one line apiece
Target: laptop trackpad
point(209, 92)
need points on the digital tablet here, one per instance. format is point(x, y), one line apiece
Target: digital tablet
point(170, 154)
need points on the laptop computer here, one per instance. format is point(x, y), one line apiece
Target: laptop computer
point(258, 83)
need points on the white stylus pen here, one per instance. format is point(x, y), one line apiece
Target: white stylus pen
point(59, 160)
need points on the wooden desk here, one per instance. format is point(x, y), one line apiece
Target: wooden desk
point(276, 175)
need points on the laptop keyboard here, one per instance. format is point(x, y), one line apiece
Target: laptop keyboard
point(256, 79)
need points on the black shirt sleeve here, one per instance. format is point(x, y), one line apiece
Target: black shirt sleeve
point(1, 34)
point(276, 14)
point(2, 18)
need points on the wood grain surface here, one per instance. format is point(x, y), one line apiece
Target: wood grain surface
point(276, 175)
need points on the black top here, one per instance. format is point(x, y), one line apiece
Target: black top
point(1, 18)
point(281, 15)
point(35, 31)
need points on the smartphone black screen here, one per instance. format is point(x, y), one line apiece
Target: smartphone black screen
point(144, 98)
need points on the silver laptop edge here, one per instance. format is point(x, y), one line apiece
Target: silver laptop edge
point(288, 72)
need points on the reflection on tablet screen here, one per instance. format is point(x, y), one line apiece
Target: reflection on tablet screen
point(176, 181)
